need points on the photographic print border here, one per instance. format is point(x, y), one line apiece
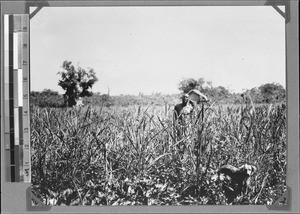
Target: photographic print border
point(14, 196)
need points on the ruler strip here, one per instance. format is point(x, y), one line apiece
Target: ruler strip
point(12, 173)
point(6, 117)
point(26, 164)
point(16, 109)
point(15, 87)
point(16, 127)
point(11, 56)
point(17, 164)
point(6, 50)
point(21, 170)
point(12, 138)
point(12, 157)
point(20, 42)
point(7, 168)
point(25, 23)
point(16, 63)
point(20, 109)
point(20, 88)
point(6, 93)
point(16, 98)
point(6, 99)
point(15, 50)
point(7, 141)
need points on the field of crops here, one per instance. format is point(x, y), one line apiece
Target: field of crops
point(139, 156)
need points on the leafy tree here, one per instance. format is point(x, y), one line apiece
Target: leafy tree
point(222, 92)
point(76, 82)
point(190, 83)
point(272, 92)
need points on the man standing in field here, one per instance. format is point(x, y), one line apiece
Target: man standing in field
point(188, 103)
point(183, 108)
point(183, 112)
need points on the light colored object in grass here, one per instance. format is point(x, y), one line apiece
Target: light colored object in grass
point(187, 109)
point(196, 96)
point(79, 102)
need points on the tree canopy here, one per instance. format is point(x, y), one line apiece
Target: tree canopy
point(76, 82)
point(272, 92)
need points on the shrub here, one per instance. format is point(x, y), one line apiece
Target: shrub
point(46, 98)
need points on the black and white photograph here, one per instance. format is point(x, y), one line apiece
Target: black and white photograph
point(158, 105)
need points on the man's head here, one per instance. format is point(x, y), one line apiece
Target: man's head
point(185, 98)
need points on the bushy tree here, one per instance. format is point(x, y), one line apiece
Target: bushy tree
point(190, 83)
point(76, 82)
point(272, 92)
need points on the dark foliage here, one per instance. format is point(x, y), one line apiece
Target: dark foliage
point(236, 180)
point(46, 98)
point(76, 82)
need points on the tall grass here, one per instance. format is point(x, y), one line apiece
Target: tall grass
point(139, 156)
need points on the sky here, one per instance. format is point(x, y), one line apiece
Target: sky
point(151, 49)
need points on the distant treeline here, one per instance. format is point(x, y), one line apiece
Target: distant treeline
point(47, 98)
point(267, 93)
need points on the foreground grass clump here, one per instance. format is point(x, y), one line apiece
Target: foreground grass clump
point(139, 156)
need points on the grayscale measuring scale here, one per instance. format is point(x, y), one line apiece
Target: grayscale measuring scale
point(16, 98)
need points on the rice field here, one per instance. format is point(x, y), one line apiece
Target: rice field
point(139, 155)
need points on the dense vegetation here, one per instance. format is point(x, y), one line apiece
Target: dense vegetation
point(137, 155)
point(266, 93)
point(128, 150)
point(46, 98)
